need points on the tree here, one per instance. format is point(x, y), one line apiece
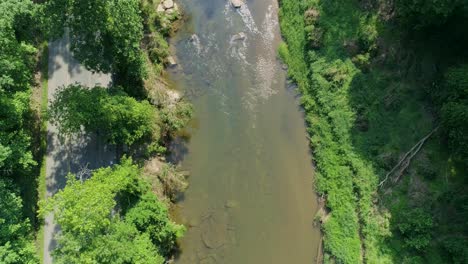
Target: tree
point(421, 13)
point(117, 117)
point(151, 217)
point(105, 34)
point(96, 228)
point(452, 98)
point(415, 225)
point(16, 73)
point(16, 244)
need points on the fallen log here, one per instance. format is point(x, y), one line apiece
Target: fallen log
point(406, 159)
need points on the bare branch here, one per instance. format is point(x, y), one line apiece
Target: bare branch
point(406, 159)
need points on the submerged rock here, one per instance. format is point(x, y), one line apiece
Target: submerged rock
point(214, 230)
point(194, 223)
point(237, 3)
point(231, 204)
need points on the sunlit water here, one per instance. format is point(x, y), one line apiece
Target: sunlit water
point(251, 196)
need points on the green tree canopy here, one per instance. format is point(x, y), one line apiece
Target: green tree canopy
point(16, 244)
point(17, 63)
point(422, 13)
point(452, 96)
point(415, 225)
point(114, 115)
point(96, 228)
point(105, 34)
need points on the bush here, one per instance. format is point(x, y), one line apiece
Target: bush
point(415, 226)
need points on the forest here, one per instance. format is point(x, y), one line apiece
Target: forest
point(385, 85)
point(112, 214)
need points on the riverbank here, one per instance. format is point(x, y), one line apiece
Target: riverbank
point(364, 90)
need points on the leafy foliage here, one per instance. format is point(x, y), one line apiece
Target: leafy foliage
point(364, 90)
point(117, 117)
point(16, 244)
point(98, 229)
point(415, 225)
point(453, 97)
point(151, 216)
point(422, 13)
point(175, 117)
point(105, 35)
point(16, 74)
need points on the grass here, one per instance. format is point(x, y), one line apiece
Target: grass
point(41, 180)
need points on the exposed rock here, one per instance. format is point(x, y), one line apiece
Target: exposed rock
point(237, 3)
point(239, 37)
point(168, 4)
point(160, 8)
point(176, 7)
point(169, 11)
point(171, 61)
point(173, 97)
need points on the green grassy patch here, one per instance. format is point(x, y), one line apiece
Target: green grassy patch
point(41, 180)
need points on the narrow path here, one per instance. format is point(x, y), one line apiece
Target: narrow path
point(64, 156)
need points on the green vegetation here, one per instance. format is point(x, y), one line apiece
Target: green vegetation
point(112, 114)
point(19, 37)
point(41, 180)
point(116, 49)
point(375, 81)
point(112, 217)
point(105, 36)
point(16, 244)
point(16, 75)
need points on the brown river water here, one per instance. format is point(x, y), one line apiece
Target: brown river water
point(251, 197)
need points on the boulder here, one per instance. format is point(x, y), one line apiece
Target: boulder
point(237, 3)
point(176, 7)
point(171, 61)
point(170, 11)
point(168, 4)
point(160, 8)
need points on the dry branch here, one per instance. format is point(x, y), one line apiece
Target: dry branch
point(406, 159)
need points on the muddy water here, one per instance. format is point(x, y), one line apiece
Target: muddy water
point(251, 197)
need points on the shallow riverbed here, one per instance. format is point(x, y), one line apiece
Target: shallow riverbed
point(251, 196)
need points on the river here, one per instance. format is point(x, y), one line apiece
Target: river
point(251, 197)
